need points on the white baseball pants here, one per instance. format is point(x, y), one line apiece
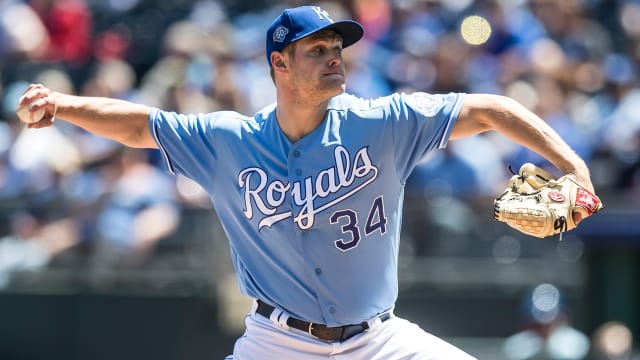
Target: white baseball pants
point(394, 339)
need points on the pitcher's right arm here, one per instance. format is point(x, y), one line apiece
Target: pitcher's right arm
point(119, 120)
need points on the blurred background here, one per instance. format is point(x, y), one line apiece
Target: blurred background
point(104, 255)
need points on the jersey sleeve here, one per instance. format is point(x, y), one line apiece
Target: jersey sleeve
point(423, 122)
point(186, 142)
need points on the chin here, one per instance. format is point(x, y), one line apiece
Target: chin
point(329, 91)
point(339, 89)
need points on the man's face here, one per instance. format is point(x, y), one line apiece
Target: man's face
point(317, 68)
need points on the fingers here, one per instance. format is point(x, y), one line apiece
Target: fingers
point(34, 91)
point(38, 97)
point(46, 122)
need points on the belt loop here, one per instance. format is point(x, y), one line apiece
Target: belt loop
point(378, 319)
point(279, 318)
point(282, 320)
point(373, 322)
point(275, 314)
point(254, 307)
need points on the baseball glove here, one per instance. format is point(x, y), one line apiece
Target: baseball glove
point(538, 204)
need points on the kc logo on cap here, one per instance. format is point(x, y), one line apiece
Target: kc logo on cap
point(322, 13)
point(297, 23)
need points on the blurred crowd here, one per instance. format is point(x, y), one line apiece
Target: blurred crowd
point(63, 190)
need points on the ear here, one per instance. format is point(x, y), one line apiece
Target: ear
point(278, 61)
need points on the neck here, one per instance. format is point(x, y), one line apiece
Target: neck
point(297, 119)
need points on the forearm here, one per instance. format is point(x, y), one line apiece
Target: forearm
point(119, 120)
point(508, 117)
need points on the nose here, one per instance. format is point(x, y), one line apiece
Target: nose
point(336, 57)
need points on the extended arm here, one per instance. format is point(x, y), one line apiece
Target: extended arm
point(483, 112)
point(118, 120)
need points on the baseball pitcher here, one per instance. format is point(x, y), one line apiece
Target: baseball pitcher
point(309, 190)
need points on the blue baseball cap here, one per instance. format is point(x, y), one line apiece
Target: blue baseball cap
point(296, 23)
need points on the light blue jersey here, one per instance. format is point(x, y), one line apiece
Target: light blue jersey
point(314, 226)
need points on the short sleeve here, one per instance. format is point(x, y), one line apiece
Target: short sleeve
point(423, 122)
point(186, 142)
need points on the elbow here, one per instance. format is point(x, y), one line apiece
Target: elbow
point(140, 138)
point(494, 111)
point(485, 112)
point(490, 104)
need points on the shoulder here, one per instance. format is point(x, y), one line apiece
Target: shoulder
point(426, 103)
point(346, 102)
point(265, 113)
point(431, 104)
point(212, 120)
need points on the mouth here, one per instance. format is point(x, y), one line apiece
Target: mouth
point(334, 74)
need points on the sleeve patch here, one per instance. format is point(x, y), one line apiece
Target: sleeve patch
point(426, 104)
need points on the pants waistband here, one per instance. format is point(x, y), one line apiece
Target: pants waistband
point(321, 331)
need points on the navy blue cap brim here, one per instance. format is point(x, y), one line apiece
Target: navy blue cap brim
point(350, 31)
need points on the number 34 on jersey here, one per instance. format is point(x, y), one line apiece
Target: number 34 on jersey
point(314, 194)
